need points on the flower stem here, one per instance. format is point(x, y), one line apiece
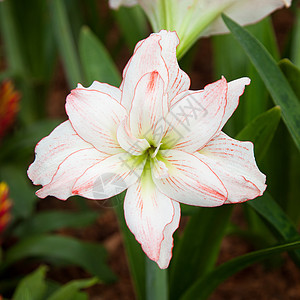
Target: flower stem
point(156, 281)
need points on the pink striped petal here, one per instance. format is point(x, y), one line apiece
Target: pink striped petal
point(105, 88)
point(235, 90)
point(167, 243)
point(95, 116)
point(157, 53)
point(179, 81)
point(233, 161)
point(191, 181)
point(130, 143)
point(109, 177)
point(68, 172)
point(52, 150)
point(152, 217)
point(196, 118)
point(148, 108)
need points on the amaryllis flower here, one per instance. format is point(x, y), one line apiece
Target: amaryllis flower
point(194, 18)
point(154, 137)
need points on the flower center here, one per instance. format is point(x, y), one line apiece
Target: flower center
point(153, 150)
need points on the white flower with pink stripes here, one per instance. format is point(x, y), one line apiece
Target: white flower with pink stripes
point(154, 137)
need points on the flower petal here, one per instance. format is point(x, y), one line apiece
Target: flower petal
point(68, 171)
point(196, 118)
point(157, 53)
point(109, 177)
point(243, 12)
point(149, 106)
point(179, 81)
point(152, 217)
point(95, 116)
point(105, 88)
point(235, 90)
point(167, 243)
point(191, 181)
point(235, 164)
point(130, 143)
point(115, 4)
point(52, 150)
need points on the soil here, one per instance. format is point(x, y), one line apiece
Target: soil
point(259, 281)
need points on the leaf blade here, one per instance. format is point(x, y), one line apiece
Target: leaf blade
point(33, 286)
point(96, 61)
point(276, 83)
point(87, 255)
point(205, 286)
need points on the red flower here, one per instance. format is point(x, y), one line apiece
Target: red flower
point(5, 206)
point(9, 106)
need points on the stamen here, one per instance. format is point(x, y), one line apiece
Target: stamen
point(156, 150)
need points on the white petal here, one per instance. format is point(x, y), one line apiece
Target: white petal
point(105, 88)
point(191, 181)
point(159, 168)
point(179, 81)
point(196, 118)
point(235, 164)
point(52, 150)
point(95, 116)
point(130, 143)
point(243, 12)
point(157, 53)
point(148, 108)
point(235, 90)
point(109, 177)
point(68, 172)
point(115, 4)
point(152, 218)
point(167, 243)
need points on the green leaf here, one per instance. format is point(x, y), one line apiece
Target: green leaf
point(275, 81)
point(20, 190)
point(135, 255)
point(199, 247)
point(33, 286)
point(275, 216)
point(261, 131)
point(69, 290)
point(44, 222)
point(11, 39)
point(291, 202)
point(292, 73)
point(205, 286)
point(96, 61)
point(296, 40)
point(89, 256)
point(231, 61)
point(20, 146)
point(157, 281)
point(65, 42)
point(36, 38)
point(132, 23)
